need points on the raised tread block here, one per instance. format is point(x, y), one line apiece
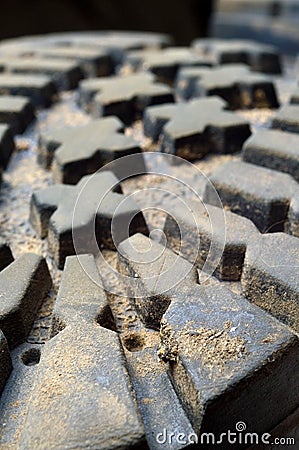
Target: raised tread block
point(23, 286)
point(216, 230)
point(7, 145)
point(229, 359)
point(260, 57)
point(287, 119)
point(79, 151)
point(191, 130)
point(124, 96)
point(270, 276)
point(165, 63)
point(116, 42)
point(17, 112)
point(79, 300)
point(95, 198)
point(157, 270)
point(6, 256)
point(39, 88)
point(275, 149)
point(89, 88)
point(65, 74)
point(91, 408)
point(155, 117)
point(43, 205)
point(265, 201)
point(236, 84)
point(93, 62)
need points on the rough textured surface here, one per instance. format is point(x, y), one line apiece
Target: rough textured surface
point(23, 286)
point(287, 118)
point(63, 212)
point(260, 57)
point(239, 87)
point(157, 401)
point(83, 150)
point(265, 201)
point(275, 149)
point(191, 130)
point(17, 112)
point(270, 276)
point(229, 359)
point(200, 236)
point(38, 88)
point(125, 97)
point(15, 398)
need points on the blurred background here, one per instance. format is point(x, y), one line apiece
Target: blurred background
point(184, 19)
point(270, 21)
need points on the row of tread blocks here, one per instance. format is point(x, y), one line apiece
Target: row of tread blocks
point(131, 110)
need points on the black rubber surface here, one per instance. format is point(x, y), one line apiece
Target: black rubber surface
point(155, 232)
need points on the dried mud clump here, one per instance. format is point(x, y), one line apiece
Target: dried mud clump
point(214, 347)
point(168, 350)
